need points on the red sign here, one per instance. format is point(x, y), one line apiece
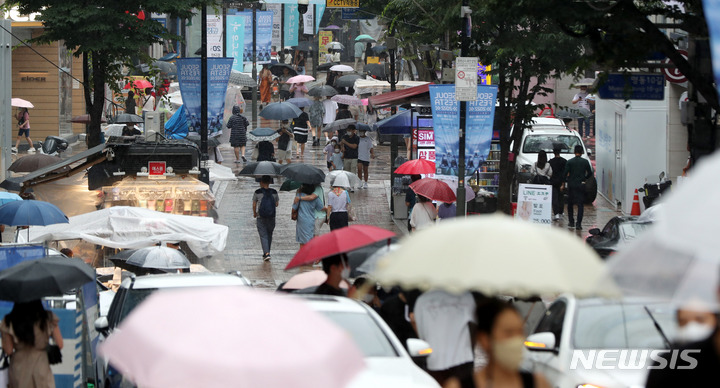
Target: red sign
point(426, 138)
point(427, 154)
point(673, 74)
point(156, 168)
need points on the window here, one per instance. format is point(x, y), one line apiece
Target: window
point(367, 334)
point(133, 299)
point(534, 143)
point(622, 326)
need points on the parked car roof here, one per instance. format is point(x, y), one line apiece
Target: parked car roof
point(173, 280)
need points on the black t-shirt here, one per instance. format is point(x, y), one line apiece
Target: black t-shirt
point(704, 374)
point(411, 198)
point(395, 313)
point(558, 166)
point(266, 150)
point(326, 289)
point(283, 140)
point(301, 121)
point(343, 114)
point(351, 153)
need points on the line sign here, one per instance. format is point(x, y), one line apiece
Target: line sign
point(342, 3)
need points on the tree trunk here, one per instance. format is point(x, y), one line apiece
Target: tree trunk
point(502, 123)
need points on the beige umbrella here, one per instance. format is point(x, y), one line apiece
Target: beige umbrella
point(494, 254)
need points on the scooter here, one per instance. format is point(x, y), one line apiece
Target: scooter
point(653, 191)
point(53, 145)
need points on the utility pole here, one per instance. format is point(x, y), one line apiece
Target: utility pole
point(461, 205)
point(204, 173)
point(254, 65)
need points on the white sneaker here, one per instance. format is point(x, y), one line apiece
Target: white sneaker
point(31, 150)
point(365, 185)
point(13, 149)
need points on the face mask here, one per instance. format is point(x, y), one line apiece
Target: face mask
point(337, 151)
point(368, 298)
point(509, 352)
point(693, 332)
point(345, 274)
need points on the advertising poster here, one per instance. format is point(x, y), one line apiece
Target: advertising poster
point(291, 21)
point(189, 80)
point(276, 9)
point(235, 40)
point(534, 203)
point(712, 15)
point(248, 43)
point(308, 25)
point(214, 36)
point(263, 36)
point(478, 135)
point(324, 37)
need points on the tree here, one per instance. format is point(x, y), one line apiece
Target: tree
point(106, 33)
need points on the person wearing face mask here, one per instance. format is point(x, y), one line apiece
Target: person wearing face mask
point(336, 269)
point(694, 324)
point(336, 159)
point(500, 335)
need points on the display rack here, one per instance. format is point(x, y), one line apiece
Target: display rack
point(487, 177)
point(186, 196)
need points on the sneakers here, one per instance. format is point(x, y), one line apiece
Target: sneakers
point(266, 257)
point(31, 150)
point(243, 159)
point(14, 150)
point(364, 185)
point(238, 161)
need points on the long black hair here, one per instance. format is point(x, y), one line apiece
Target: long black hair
point(23, 318)
point(488, 311)
point(542, 159)
point(307, 188)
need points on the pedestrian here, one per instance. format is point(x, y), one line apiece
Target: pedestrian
point(26, 333)
point(542, 171)
point(368, 52)
point(264, 204)
point(336, 269)
point(367, 293)
point(130, 103)
point(300, 62)
point(500, 335)
point(287, 58)
point(580, 100)
point(284, 86)
point(442, 319)
point(298, 90)
point(342, 113)
point(266, 151)
point(238, 125)
point(577, 171)
point(301, 125)
point(396, 310)
point(316, 113)
point(349, 145)
point(284, 143)
point(365, 153)
point(359, 46)
point(336, 160)
point(265, 85)
point(331, 108)
point(337, 208)
point(423, 213)
point(558, 197)
point(411, 199)
point(149, 102)
point(446, 210)
point(331, 77)
point(23, 130)
point(304, 206)
point(695, 322)
point(328, 151)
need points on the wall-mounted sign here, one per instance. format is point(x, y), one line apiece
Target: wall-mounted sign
point(342, 3)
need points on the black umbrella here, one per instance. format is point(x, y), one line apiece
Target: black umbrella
point(241, 79)
point(277, 69)
point(322, 91)
point(572, 113)
point(347, 81)
point(261, 168)
point(375, 69)
point(303, 173)
point(34, 162)
point(127, 118)
point(212, 141)
point(159, 257)
point(120, 260)
point(49, 276)
point(338, 125)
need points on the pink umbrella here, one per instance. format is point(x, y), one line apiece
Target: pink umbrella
point(217, 337)
point(309, 279)
point(299, 78)
point(346, 99)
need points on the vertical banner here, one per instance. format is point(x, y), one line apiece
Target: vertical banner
point(214, 36)
point(291, 22)
point(324, 37)
point(308, 24)
point(446, 120)
point(712, 16)
point(276, 9)
point(248, 44)
point(534, 203)
point(235, 31)
point(263, 35)
point(189, 80)
point(320, 8)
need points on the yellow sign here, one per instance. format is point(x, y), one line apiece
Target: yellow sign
point(484, 77)
point(324, 37)
point(373, 60)
point(342, 3)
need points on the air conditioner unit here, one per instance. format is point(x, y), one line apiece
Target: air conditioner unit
point(154, 124)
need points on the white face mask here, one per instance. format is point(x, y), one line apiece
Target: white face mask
point(337, 151)
point(693, 332)
point(345, 274)
point(368, 298)
point(509, 352)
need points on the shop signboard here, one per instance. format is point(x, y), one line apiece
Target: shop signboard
point(324, 37)
point(276, 9)
point(534, 203)
point(214, 36)
point(466, 78)
point(217, 82)
point(620, 86)
point(426, 137)
point(427, 154)
point(342, 3)
point(355, 14)
point(156, 169)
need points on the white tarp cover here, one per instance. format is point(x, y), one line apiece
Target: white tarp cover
point(128, 227)
point(218, 172)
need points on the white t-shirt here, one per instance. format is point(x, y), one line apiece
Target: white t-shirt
point(364, 148)
point(582, 100)
point(442, 320)
point(149, 105)
point(330, 111)
point(423, 215)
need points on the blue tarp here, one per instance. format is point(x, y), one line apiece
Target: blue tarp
point(397, 124)
point(177, 126)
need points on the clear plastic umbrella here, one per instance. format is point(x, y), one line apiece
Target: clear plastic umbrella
point(159, 258)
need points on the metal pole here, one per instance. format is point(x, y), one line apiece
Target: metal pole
point(281, 49)
point(461, 205)
point(254, 67)
point(316, 52)
point(204, 173)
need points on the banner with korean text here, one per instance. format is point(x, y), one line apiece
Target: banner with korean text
point(276, 9)
point(291, 22)
point(217, 79)
point(263, 35)
point(235, 45)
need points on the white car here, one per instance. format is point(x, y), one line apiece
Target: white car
point(388, 363)
point(591, 342)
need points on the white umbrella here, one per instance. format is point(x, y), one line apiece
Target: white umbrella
point(342, 178)
point(20, 103)
point(159, 258)
point(342, 68)
point(336, 46)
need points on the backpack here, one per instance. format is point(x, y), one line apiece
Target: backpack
point(267, 204)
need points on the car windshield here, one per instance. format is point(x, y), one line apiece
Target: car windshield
point(132, 299)
point(367, 334)
point(622, 326)
point(632, 229)
point(534, 143)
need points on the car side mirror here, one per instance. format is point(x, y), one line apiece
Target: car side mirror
point(102, 326)
point(541, 342)
point(595, 231)
point(589, 151)
point(418, 348)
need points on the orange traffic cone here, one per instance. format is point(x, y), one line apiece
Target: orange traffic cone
point(635, 210)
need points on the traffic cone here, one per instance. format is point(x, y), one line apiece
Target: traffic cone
point(635, 210)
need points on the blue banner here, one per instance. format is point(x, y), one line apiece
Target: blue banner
point(189, 80)
point(263, 35)
point(712, 15)
point(248, 44)
point(235, 45)
point(320, 8)
point(478, 123)
point(291, 21)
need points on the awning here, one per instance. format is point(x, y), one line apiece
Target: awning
point(56, 171)
point(397, 124)
point(397, 97)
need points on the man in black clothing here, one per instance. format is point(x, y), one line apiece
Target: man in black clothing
point(577, 171)
point(411, 199)
point(336, 269)
point(395, 311)
point(349, 145)
point(695, 365)
point(558, 197)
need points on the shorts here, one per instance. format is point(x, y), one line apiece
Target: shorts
point(283, 154)
point(25, 131)
point(350, 164)
point(329, 164)
point(364, 163)
point(302, 139)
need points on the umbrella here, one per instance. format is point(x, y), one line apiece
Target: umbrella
point(434, 189)
point(347, 81)
point(31, 212)
point(290, 185)
point(375, 69)
point(277, 69)
point(377, 49)
point(322, 91)
point(365, 127)
point(85, 119)
point(309, 279)
point(159, 257)
point(572, 113)
point(128, 118)
point(20, 103)
point(280, 111)
point(300, 102)
point(303, 173)
point(338, 124)
point(549, 261)
point(416, 166)
point(452, 182)
point(357, 257)
point(346, 99)
point(342, 68)
point(240, 79)
point(326, 66)
point(212, 141)
point(584, 82)
point(261, 168)
point(369, 265)
point(365, 38)
point(166, 68)
point(337, 46)
point(49, 276)
point(138, 84)
point(338, 241)
point(331, 27)
point(263, 134)
point(300, 79)
point(6, 197)
point(169, 357)
point(342, 178)
point(35, 162)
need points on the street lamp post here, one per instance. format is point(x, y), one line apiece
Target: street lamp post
point(461, 205)
point(254, 65)
point(204, 173)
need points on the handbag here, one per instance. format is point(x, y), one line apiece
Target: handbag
point(53, 352)
point(351, 213)
point(294, 215)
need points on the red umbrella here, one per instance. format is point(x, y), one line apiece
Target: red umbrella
point(434, 189)
point(139, 84)
point(341, 240)
point(416, 166)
